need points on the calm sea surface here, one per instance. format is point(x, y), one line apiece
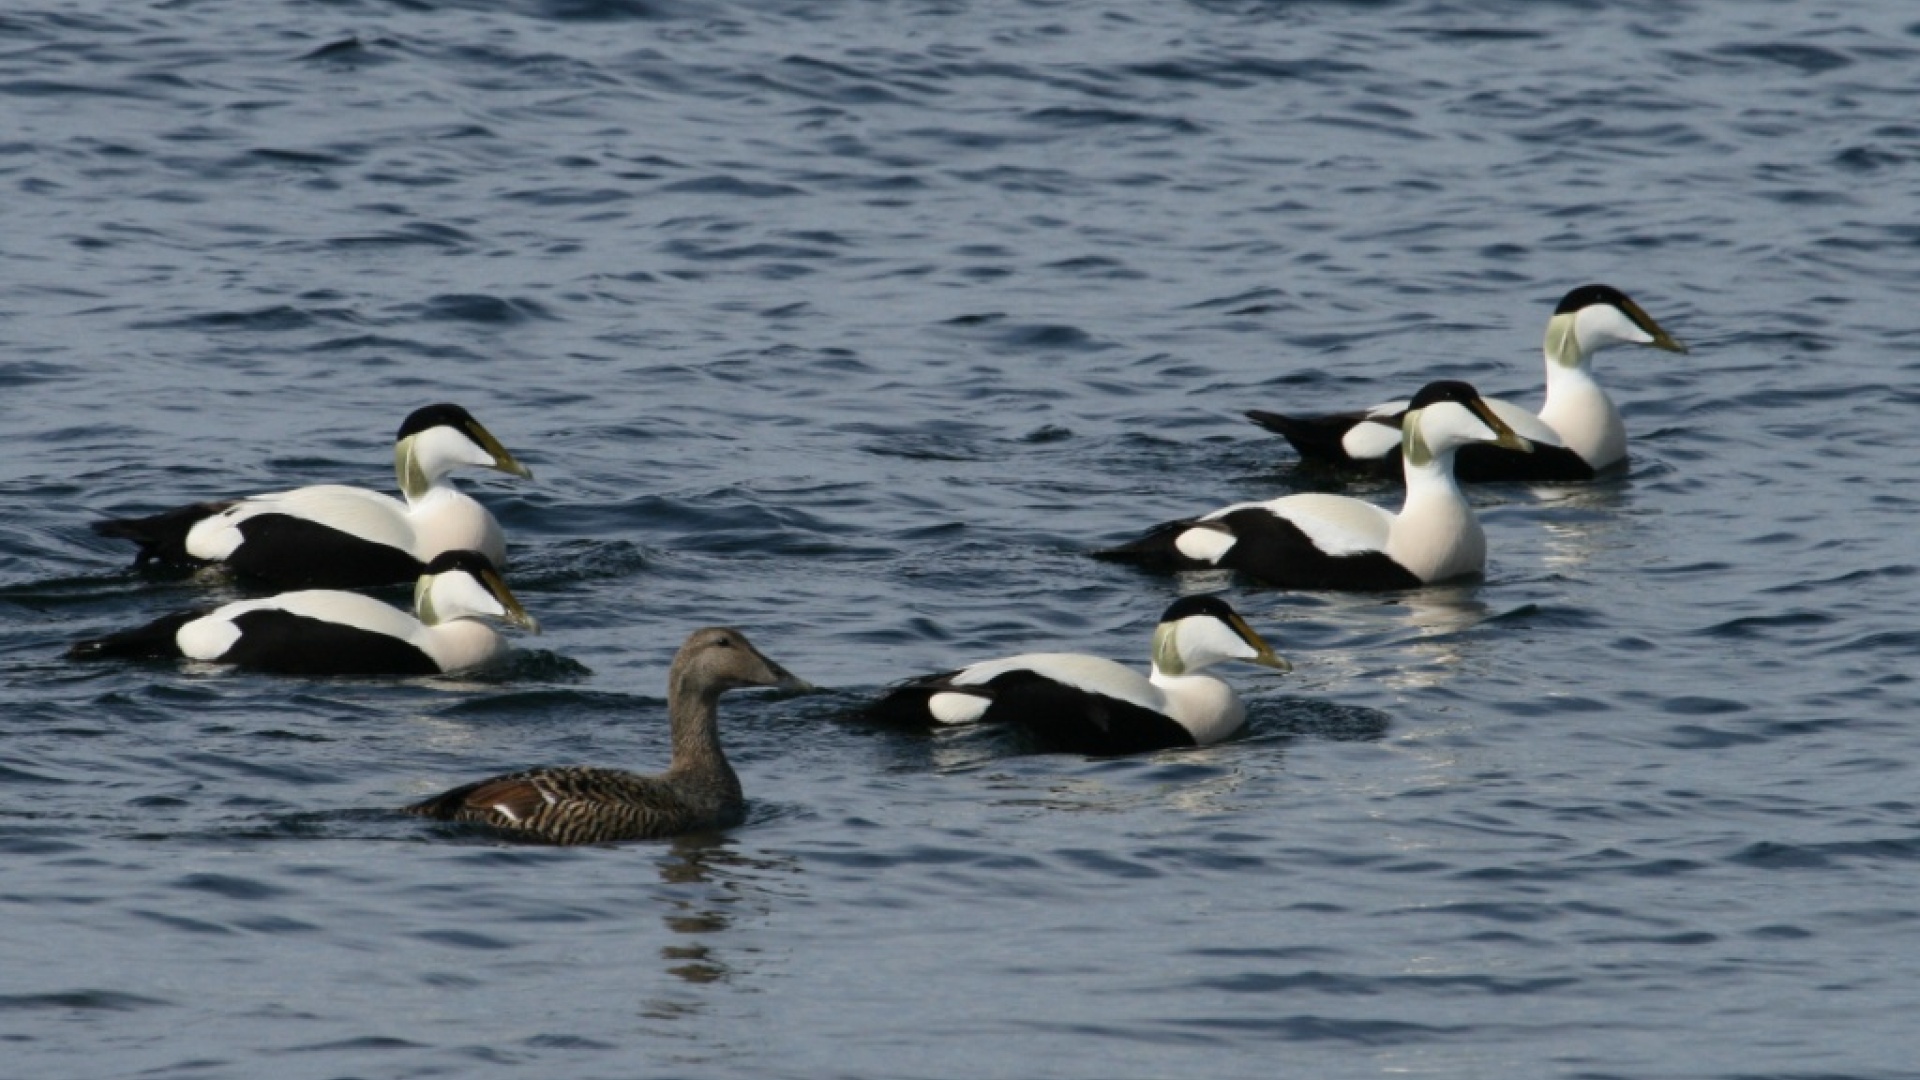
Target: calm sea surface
point(856, 325)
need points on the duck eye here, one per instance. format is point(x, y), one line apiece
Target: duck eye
point(724, 642)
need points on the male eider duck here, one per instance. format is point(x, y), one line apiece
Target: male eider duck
point(1335, 542)
point(334, 536)
point(586, 805)
point(1089, 705)
point(1577, 434)
point(325, 632)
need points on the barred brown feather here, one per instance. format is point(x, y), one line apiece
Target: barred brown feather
point(581, 804)
point(586, 805)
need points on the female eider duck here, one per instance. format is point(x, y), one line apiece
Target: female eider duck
point(325, 632)
point(1335, 542)
point(334, 536)
point(585, 805)
point(1089, 705)
point(1577, 434)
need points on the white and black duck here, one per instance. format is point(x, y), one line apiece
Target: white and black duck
point(586, 805)
point(1090, 705)
point(335, 536)
point(328, 632)
point(1315, 541)
point(1577, 434)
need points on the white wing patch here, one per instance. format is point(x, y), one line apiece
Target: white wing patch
point(1091, 673)
point(217, 537)
point(956, 707)
point(1205, 544)
point(208, 637)
point(1524, 423)
point(363, 513)
point(1368, 440)
point(1336, 524)
point(344, 608)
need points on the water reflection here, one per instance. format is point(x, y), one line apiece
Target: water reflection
point(1439, 649)
point(1188, 781)
point(709, 885)
point(1421, 637)
point(1580, 521)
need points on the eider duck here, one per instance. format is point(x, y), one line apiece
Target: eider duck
point(334, 536)
point(1334, 542)
point(1089, 705)
point(1577, 434)
point(586, 805)
point(325, 632)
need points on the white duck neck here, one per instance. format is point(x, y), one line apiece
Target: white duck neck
point(1436, 535)
point(1202, 704)
point(1577, 407)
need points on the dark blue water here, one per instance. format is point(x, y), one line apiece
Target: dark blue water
point(855, 325)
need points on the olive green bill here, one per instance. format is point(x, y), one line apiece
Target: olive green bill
point(1661, 339)
point(1504, 436)
point(502, 459)
point(1263, 653)
point(516, 614)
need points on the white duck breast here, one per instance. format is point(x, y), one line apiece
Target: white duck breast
point(1577, 433)
point(1088, 704)
point(327, 632)
point(1333, 542)
point(341, 536)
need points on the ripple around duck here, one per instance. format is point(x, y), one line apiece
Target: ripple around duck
point(1769, 855)
point(1316, 718)
point(82, 1001)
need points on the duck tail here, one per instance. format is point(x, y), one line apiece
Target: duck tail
point(1157, 548)
point(1316, 438)
point(904, 706)
point(155, 641)
point(162, 537)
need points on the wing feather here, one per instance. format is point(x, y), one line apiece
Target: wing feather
point(1524, 423)
point(370, 515)
point(1335, 524)
point(1090, 673)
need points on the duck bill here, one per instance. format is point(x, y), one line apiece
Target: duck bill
point(787, 680)
point(1503, 436)
point(1263, 653)
point(516, 614)
point(1661, 339)
point(502, 459)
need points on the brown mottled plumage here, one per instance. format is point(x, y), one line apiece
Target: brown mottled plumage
point(586, 805)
